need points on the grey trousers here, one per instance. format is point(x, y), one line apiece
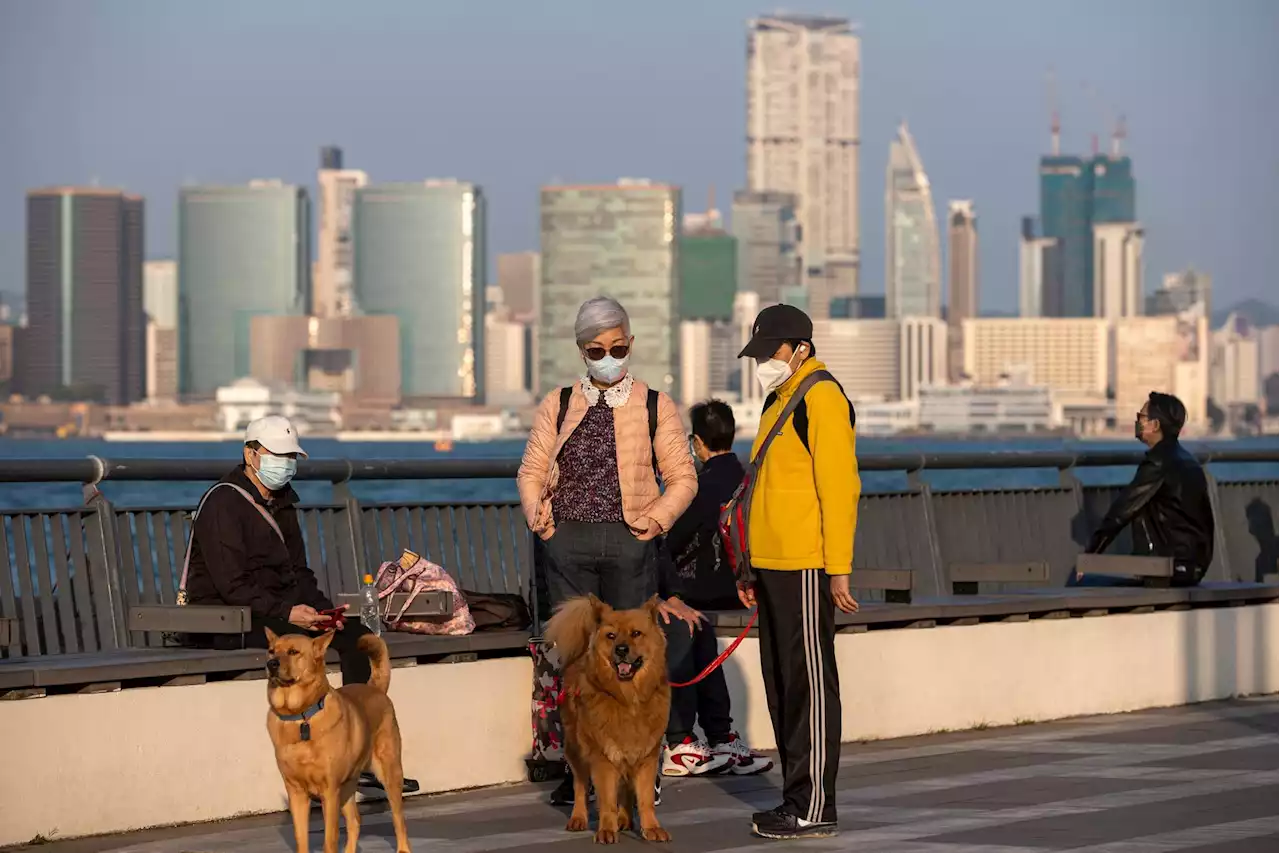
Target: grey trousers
point(604, 560)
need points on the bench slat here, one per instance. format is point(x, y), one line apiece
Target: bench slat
point(965, 577)
point(1114, 564)
point(191, 619)
point(434, 603)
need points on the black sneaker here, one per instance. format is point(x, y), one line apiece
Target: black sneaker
point(780, 824)
point(370, 788)
point(563, 794)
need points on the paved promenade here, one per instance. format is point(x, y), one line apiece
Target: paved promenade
point(1201, 778)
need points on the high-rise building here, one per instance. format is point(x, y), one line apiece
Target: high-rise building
point(888, 359)
point(1075, 195)
point(962, 279)
point(769, 251)
point(357, 357)
point(334, 279)
point(505, 369)
point(1180, 291)
point(858, 308)
point(160, 302)
point(746, 307)
point(243, 251)
point(708, 263)
point(1039, 271)
point(695, 361)
point(420, 256)
point(1268, 352)
point(1165, 354)
point(1117, 270)
point(1066, 354)
point(616, 240)
point(1234, 378)
point(912, 258)
point(803, 78)
point(518, 276)
point(86, 332)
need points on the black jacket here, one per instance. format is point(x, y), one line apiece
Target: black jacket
point(702, 577)
point(238, 559)
point(1168, 505)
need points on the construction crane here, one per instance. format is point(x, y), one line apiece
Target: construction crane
point(1055, 125)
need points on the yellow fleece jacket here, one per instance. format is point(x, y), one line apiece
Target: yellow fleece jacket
point(804, 512)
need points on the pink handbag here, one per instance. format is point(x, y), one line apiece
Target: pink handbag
point(415, 579)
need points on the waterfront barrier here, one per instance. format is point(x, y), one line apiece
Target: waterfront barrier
point(164, 735)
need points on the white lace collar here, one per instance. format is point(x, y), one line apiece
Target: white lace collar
point(615, 396)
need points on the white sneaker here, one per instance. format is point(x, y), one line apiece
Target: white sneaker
point(740, 759)
point(692, 758)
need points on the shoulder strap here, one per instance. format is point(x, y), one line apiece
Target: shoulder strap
point(787, 410)
point(801, 416)
point(565, 394)
point(651, 403)
point(186, 561)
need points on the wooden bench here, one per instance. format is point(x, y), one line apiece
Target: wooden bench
point(965, 577)
point(1152, 571)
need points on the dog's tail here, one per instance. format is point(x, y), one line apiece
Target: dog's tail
point(374, 646)
point(571, 628)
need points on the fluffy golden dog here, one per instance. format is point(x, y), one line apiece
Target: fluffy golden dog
point(614, 712)
point(325, 738)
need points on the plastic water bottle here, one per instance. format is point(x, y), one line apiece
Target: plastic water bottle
point(369, 606)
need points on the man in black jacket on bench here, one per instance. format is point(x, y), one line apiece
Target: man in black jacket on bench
point(1167, 504)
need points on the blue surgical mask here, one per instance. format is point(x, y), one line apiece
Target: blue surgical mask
point(275, 472)
point(608, 369)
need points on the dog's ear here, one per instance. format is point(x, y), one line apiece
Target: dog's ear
point(598, 607)
point(320, 645)
point(652, 607)
point(271, 637)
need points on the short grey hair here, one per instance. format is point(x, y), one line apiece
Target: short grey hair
point(599, 315)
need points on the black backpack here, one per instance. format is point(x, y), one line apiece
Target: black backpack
point(651, 403)
point(800, 417)
point(498, 611)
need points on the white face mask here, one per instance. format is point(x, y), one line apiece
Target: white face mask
point(773, 373)
point(608, 370)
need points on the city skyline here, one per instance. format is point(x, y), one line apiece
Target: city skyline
point(1192, 216)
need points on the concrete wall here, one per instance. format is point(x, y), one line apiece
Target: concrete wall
point(88, 764)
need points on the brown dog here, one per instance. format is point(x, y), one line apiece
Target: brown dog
point(614, 712)
point(325, 738)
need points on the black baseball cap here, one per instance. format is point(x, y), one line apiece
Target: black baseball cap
point(775, 325)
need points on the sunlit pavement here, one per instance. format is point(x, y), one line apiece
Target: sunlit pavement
point(1201, 778)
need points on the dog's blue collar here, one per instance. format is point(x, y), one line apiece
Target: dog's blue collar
point(303, 718)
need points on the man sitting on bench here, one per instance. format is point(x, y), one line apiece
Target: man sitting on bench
point(247, 551)
point(1167, 503)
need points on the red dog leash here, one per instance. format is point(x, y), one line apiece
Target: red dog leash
point(723, 656)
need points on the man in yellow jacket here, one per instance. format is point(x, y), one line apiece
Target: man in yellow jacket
point(801, 529)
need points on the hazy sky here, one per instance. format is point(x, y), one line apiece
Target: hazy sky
point(149, 94)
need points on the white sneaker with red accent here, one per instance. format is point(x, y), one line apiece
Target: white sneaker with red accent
point(741, 760)
point(692, 758)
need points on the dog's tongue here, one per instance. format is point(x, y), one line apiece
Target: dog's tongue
point(624, 668)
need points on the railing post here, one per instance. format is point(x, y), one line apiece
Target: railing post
point(1221, 555)
point(105, 548)
point(917, 484)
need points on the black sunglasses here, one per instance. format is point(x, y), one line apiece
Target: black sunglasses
point(595, 352)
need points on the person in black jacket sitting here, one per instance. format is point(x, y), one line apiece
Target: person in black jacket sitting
point(1167, 503)
point(247, 551)
point(700, 575)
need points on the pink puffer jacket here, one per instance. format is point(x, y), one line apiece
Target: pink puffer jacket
point(641, 500)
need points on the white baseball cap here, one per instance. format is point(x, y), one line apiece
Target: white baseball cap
point(276, 434)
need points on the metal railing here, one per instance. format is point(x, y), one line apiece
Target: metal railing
point(74, 571)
